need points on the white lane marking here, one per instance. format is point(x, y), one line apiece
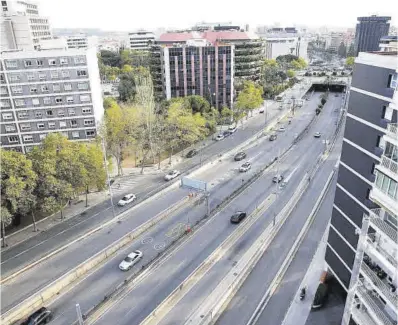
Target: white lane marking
point(159, 246)
point(147, 240)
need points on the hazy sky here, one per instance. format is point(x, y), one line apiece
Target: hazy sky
point(124, 15)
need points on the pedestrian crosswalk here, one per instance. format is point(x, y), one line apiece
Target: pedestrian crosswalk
point(122, 185)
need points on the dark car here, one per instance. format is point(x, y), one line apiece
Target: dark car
point(41, 316)
point(191, 153)
point(226, 134)
point(272, 137)
point(278, 178)
point(238, 217)
point(239, 156)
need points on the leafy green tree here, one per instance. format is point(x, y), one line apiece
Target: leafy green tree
point(110, 58)
point(351, 50)
point(127, 68)
point(350, 61)
point(250, 97)
point(125, 58)
point(290, 73)
point(6, 220)
point(198, 104)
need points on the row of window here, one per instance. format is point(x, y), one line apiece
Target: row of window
point(38, 21)
point(57, 100)
point(50, 125)
point(386, 184)
point(41, 62)
point(16, 90)
point(48, 113)
point(29, 138)
point(54, 74)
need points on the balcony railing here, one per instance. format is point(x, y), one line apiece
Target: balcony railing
point(373, 307)
point(392, 129)
point(379, 284)
point(361, 315)
point(389, 164)
point(372, 241)
point(376, 220)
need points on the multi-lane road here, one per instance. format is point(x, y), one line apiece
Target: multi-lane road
point(223, 178)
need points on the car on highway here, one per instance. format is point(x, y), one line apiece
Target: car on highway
point(232, 129)
point(219, 137)
point(282, 129)
point(192, 153)
point(317, 134)
point(245, 167)
point(238, 217)
point(39, 317)
point(171, 175)
point(278, 178)
point(130, 260)
point(126, 199)
point(240, 156)
point(272, 137)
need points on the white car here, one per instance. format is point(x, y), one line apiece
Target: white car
point(245, 167)
point(130, 260)
point(171, 175)
point(126, 199)
point(281, 129)
point(232, 129)
point(261, 110)
point(317, 134)
point(220, 137)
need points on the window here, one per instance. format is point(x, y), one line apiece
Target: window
point(27, 138)
point(38, 114)
point(13, 139)
point(47, 100)
point(65, 74)
point(63, 61)
point(393, 80)
point(42, 75)
point(7, 116)
point(51, 125)
point(39, 63)
point(16, 89)
point(67, 87)
point(387, 113)
point(49, 113)
point(58, 100)
point(4, 103)
point(44, 89)
point(81, 73)
point(35, 101)
point(15, 78)
point(62, 124)
point(42, 136)
point(69, 99)
point(19, 102)
point(10, 128)
point(80, 60)
point(33, 90)
point(75, 134)
point(11, 64)
point(84, 98)
point(22, 114)
point(28, 63)
point(88, 122)
point(86, 110)
point(90, 133)
point(71, 111)
point(61, 112)
point(73, 122)
point(25, 127)
point(31, 77)
point(52, 62)
point(54, 74)
point(40, 126)
point(56, 87)
point(82, 86)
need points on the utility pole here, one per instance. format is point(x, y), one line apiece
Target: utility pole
point(108, 178)
point(276, 186)
point(79, 314)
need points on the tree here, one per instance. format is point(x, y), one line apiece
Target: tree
point(290, 73)
point(125, 58)
point(350, 61)
point(127, 68)
point(6, 220)
point(198, 104)
point(110, 58)
point(126, 87)
point(351, 50)
point(342, 50)
point(250, 97)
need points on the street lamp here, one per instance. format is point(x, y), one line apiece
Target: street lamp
point(107, 176)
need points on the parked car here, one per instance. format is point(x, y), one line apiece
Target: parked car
point(220, 137)
point(232, 129)
point(317, 134)
point(278, 178)
point(226, 134)
point(238, 217)
point(261, 110)
point(245, 167)
point(126, 199)
point(171, 175)
point(130, 260)
point(240, 156)
point(41, 316)
point(273, 137)
point(282, 129)
point(191, 153)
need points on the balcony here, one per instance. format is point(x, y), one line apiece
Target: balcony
point(360, 314)
point(381, 198)
point(383, 258)
point(374, 307)
point(377, 222)
point(381, 286)
point(389, 164)
point(392, 130)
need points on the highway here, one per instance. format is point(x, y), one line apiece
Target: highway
point(24, 253)
point(146, 295)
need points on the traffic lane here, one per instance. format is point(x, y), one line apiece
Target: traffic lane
point(243, 304)
point(280, 301)
point(204, 241)
point(35, 247)
point(216, 274)
point(44, 273)
point(107, 276)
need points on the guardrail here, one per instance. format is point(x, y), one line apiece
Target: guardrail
point(40, 298)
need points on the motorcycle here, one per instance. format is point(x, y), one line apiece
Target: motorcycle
point(302, 293)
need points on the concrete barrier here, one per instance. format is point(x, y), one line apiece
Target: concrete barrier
point(37, 300)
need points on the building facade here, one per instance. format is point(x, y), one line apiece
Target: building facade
point(195, 70)
point(367, 186)
point(336, 39)
point(21, 26)
point(369, 31)
point(389, 44)
point(140, 40)
point(49, 91)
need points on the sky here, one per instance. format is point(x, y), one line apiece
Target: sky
point(126, 15)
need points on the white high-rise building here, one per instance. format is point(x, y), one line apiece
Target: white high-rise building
point(140, 40)
point(21, 26)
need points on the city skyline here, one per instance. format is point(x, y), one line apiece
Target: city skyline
point(130, 17)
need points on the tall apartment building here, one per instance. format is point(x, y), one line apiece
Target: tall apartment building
point(364, 257)
point(369, 31)
point(21, 26)
point(140, 40)
point(49, 91)
point(335, 40)
point(194, 69)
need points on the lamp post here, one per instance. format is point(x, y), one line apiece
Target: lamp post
point(108, 178)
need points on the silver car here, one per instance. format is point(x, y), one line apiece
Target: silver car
point(130, 260)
